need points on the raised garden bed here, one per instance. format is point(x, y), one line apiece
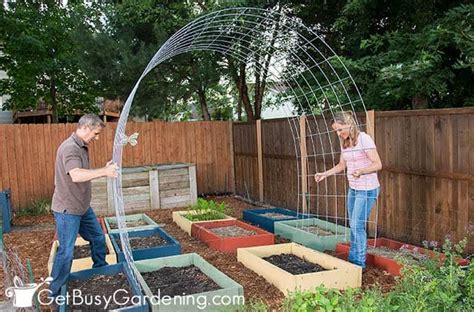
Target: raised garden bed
point(146, 188)
point(102, 225)
point(179, 217)
point(105, 281)
point(189, 274)
point(266, 218)
point(228, 235)
point(147, 244)
point(382, 253)
point(134, 222)
point(314, 233)
point(337, 273)
point(82, 257)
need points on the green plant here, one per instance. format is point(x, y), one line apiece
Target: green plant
point(333, 300)
point(38, 207)
point(438, 283)
point(206, 210)
point(434, 283)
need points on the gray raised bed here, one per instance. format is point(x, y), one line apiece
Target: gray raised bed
point(298, 231)
point(229, 288)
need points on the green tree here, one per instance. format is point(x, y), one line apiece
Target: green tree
point(38, 57)
point(405, 55)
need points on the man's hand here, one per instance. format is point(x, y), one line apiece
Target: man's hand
point(111, 169)
point(318, 177)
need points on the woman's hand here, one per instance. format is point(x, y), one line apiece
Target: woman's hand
point(319, 176)
point(356, 173)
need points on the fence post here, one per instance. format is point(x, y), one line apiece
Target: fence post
point(373, 218)
point(260, 159)
point(232, 156)
point(304, 160)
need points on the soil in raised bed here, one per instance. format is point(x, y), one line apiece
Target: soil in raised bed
point(130, 224)
point(83, 251)
point(294, 264)
point(275, 215)
point(410, 256)
point(179, 281)
point(143, 242)
point(314, 229)
point(103, 285)
point(232, 231)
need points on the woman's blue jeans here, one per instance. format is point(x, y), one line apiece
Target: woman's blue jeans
point(67, 228)
point(359, 206)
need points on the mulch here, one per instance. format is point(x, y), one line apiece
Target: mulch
point(36, 246)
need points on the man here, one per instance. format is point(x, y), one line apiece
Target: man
point(72, 197)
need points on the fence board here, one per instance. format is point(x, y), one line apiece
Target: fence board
point(427, 181)
point(29, 153)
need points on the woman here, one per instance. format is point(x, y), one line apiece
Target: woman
point(359, 155)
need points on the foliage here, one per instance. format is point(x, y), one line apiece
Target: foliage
point(436, 285)
point(422, 56)
point(431, 285)
point(206, 210)
point(38, 56)
point(38, 207)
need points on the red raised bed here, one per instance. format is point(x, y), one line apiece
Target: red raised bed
point(208, 232)
point(385, 263)
point(101, 222)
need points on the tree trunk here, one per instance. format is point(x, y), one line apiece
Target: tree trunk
point(244, 92)
point(419, 102)
point(239, 77)
point(202, 101)
point(54, 104)
point(239, 109)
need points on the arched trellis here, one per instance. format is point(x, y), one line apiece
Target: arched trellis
point(303, 70)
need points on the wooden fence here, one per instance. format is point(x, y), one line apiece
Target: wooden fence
point(427, 181)
point(28, 154)
point(427, 178)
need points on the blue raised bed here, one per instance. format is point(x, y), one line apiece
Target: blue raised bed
point(108, 270)
point(173, 247)
point(256, 216)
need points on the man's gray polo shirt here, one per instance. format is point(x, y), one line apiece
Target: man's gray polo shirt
point(70, 197)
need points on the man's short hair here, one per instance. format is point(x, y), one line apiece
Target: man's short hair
point(91, 121)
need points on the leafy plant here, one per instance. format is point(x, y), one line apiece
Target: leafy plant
point(323, 299)
point(434, 283)
point(206, 210)
point(438, 283)
point(38, 207)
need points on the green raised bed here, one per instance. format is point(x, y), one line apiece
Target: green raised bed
point(131, 218)
point(297, 231)
point(230, 288)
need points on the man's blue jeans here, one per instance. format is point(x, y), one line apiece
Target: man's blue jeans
point(359, 206)
point(67, 228)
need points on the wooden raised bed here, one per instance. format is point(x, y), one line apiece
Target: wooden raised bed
point(166, 244)
point(148, 187)
point(243, 235)
point(134, 222)
point(83, 263)
point(266, 217)
point(386, 263)
point(313, 233)
point(186, 225)
point(338, 273)
point(227, 286)
point(117, 274)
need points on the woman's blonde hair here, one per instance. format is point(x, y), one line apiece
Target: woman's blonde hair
point(347, 118)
